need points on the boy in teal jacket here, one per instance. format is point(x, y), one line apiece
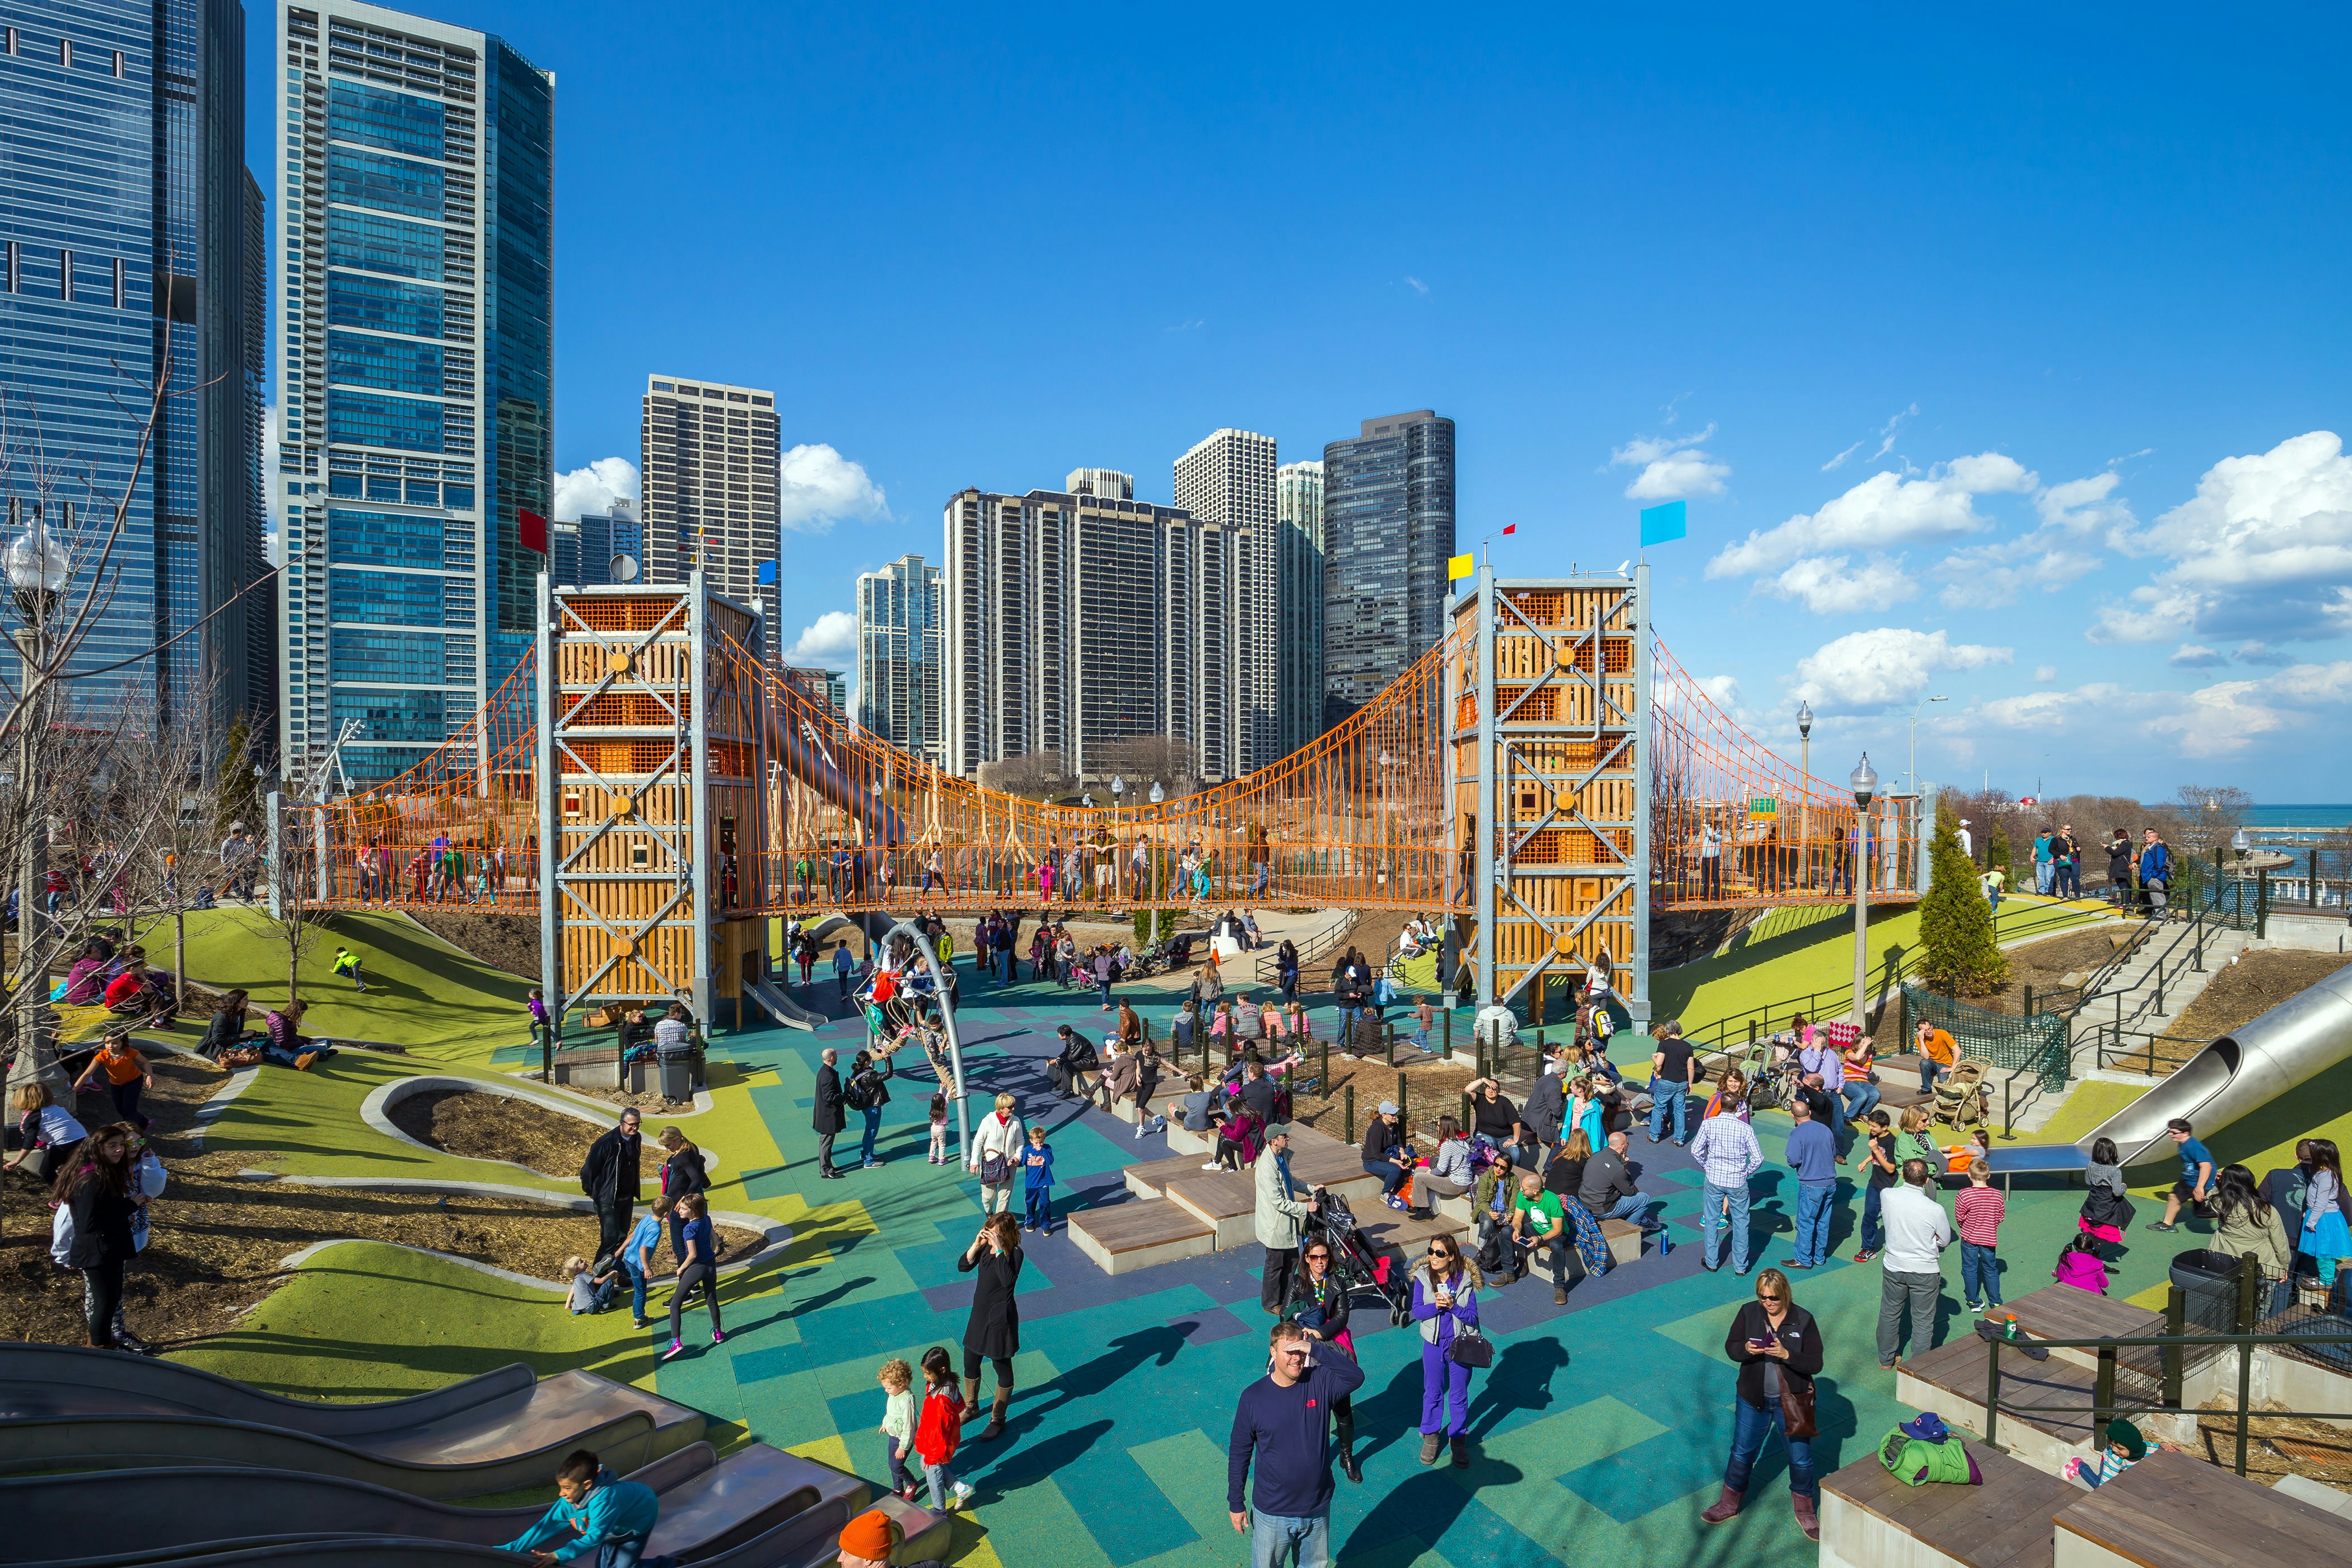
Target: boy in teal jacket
point(598, 1518)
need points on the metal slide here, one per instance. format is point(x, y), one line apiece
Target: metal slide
point(2239, 1073)
point(67, 1408)
point(758, 1508)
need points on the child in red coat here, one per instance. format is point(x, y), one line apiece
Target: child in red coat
point(939, 1430)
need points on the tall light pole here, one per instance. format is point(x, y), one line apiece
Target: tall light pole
point(1915, 740)
point(1805, 785)
point(1151, 865)
point(1865, 786)
point(37, 568)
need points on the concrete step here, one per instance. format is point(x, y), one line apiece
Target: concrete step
point(1123, 1237)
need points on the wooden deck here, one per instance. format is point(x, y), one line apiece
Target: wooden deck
point(1871, 1519)
point(2172, 1512)
point(2064, 1312)
point(1950, 1381)
point(1226, 1201)
point(1149, 1179)
point(1120, 1237)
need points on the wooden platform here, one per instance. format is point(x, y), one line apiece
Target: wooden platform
point(1138, 1234)
point(2172, 1512)
point(1869, 1520)
point(2064, 1312)
point(1401, 1235)
point(1337, 1166)
point(1950, 1381)
point(1150, 1178)
point(1225, 1200)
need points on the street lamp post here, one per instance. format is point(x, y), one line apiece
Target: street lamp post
point(1865, 786)
point(1805, 785)
point(1117, 788)
point(1915, 740)
point(1153, 863)
point(37, 568)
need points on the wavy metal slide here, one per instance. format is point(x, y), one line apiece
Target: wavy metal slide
point(67, 1408)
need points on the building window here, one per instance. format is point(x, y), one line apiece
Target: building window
point(9, 261)
point(65, 276)
point(12, 40)
point(65, 52)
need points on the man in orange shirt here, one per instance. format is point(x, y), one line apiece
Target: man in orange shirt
point(1937, 1053)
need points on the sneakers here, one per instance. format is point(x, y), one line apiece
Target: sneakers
point(1865, 1255)
point(1213, 1165)
point(677, 1349)
point(959, 1495)
point(1141, 1129)
point(1559, 1297)
point(2159, 1224)
point(643, 1323)
point(718, 1336)
point(869, 1164)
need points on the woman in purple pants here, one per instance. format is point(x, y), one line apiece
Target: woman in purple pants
point(1444, 1303)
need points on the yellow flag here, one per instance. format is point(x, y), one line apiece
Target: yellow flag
point(1460, 566)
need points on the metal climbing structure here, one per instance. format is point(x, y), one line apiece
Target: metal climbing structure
point(1614, 788)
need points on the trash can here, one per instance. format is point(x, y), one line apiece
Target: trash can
point(2209, 1282)
point(677, 1069)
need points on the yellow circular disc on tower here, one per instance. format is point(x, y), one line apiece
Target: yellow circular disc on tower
point(624, 806)
point(1564, 944)
point(618, 661)
point(628, 946)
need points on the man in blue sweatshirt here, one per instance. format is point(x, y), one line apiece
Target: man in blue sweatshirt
point(1812, 1155)
point(1284, 1419)
point(598, 1519)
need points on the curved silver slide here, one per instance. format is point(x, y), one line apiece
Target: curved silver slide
point(64, 1408)
point(2293, 1043)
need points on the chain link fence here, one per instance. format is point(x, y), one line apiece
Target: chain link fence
point(2037, 1044)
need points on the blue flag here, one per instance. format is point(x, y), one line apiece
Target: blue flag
point(766, 572)
point(1660, 523)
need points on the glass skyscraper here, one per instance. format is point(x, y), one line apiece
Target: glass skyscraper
point(1388, 531)
point(1298, 603)
point(130, 234)
point(415, 233)
point(901, 648)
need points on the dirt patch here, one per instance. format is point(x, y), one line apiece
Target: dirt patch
point(2242, 992)
point(501, 940)
point(218, 1240)
point(2275, 1446)
point(480, 1126)
point(2044, 965)
point(647, 1105)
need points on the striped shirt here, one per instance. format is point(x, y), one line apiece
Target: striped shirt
point(1979, 1209)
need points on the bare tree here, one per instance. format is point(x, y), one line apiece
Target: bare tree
point(2206, 816)
point(293, 916)
point(1035, 774)
point(1146, 760)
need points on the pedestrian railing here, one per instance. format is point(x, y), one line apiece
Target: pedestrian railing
point(2145, 1374)
point(1322, 941)
point(2140, 1050)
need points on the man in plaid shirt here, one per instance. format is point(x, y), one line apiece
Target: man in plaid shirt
point(1727, 1151)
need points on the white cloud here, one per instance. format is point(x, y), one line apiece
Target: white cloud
point(831, 641)
point(2265, 546)
point(2196, 655)
point(817, 487)
point(1865, 671)
point(1984, 575)
point(1886, 441)
point(591, 491)
point(1883, 512)
point(1417, 286)
point(2220, 720)
point(2042, 672)
point(2260, 653)
point(2087, 506)
point(1826, 588)
point(1671, 468)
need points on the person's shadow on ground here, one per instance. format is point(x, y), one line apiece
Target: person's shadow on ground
point(1387, 1416)
point(1424, 1506)
point(1520, 1379)
point(1155, 1346)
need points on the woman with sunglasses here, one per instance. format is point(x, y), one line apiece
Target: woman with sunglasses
point(1778, 1347)
point(1318, 1302)
point(1444, 1303)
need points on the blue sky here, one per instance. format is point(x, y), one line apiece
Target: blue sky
point(2001, 358)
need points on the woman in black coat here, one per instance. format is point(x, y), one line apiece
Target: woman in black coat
point(1778, 1347)
point(94, 1187)
point(994, 1331)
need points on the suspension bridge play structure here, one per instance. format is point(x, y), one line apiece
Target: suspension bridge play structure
point(1543, 781)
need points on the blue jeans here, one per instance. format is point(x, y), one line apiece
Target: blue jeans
point(1347, 1029)
point(1751, 1426)
point(1041, 1208)
point(1979, 1267)
point(2044, 874)
point(1814, 1201)
point(1303, 1543)
point(637, 1286)
point(873, 1128)
point(1669, 1109)
point(1390, 1173)
point(1930, 1070)
point(1710, 1220)
point(1860, 1097)
point(1635, 1207)
point(1874, 1234)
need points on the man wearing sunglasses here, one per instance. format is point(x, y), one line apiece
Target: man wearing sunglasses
point(1282, 1422)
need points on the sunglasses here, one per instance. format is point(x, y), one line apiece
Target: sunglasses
point(1769, 1295)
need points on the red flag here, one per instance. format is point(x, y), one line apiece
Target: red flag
point(1510, 528)
point(534, 529)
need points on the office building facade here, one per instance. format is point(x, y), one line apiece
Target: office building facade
point(1075, 621)
point(1107, 483)
point(1227, 479)
point(1388, 529)
point(581, 554)
point(709, 459)
point(1298, 605)
point(416, 230)
point(901, 644)
point(128, 251)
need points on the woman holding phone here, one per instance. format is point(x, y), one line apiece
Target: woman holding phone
point(1446, 1305)
point(1778, 1348)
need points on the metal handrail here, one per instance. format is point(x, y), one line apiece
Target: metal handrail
point(1316, 946)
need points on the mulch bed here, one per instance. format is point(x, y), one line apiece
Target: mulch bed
point(218, 1240)
point(480, 1126)
point(501, 940)
point(2043, 965)
point(2275, 1446)
point(2259, 981)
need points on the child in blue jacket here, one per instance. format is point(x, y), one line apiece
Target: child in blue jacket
point(1037, 1184)
point(598, 1519)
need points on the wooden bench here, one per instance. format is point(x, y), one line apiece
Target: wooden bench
point(1226, 1201)
point(1950, 1381)
point(1871, 1519)
point(1436, 1194)
point(1150, 1178)
point(1625, 1239)
point(2064, 1312)
point(1122, 1237)
point(2173, 1511)
point(1406, 1236)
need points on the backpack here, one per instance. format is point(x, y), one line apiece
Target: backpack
point(1490, 1253)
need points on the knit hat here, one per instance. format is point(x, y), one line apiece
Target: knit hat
point(2122, 1431)
point(870, 1536)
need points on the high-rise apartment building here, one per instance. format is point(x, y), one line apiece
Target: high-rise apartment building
point(581, 554)
point(830, 687)
point(127, 250)
point(1298, 605)
point(417, 236)
point(1388, 532)
point(1074, 621)
point(1109, 483)
point(710, 466)
point(901, 648)
point(1228, 478)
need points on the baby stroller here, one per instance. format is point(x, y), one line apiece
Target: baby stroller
point(1961, 1095)
point(1357, 1265)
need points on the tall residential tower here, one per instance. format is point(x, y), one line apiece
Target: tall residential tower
point(710, 466)
point(1228, 478)
point(1298, 605)
point(416, 234)
point(901, 640)
point(1388, 529)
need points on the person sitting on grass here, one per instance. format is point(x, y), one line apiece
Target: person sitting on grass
point(139, 995)
point(598, 1519)
point(591, 1292)
point(286, 1046)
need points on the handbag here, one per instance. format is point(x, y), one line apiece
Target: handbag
point(994, 1170)
point(1797, 1406)
point(1472, 1349)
